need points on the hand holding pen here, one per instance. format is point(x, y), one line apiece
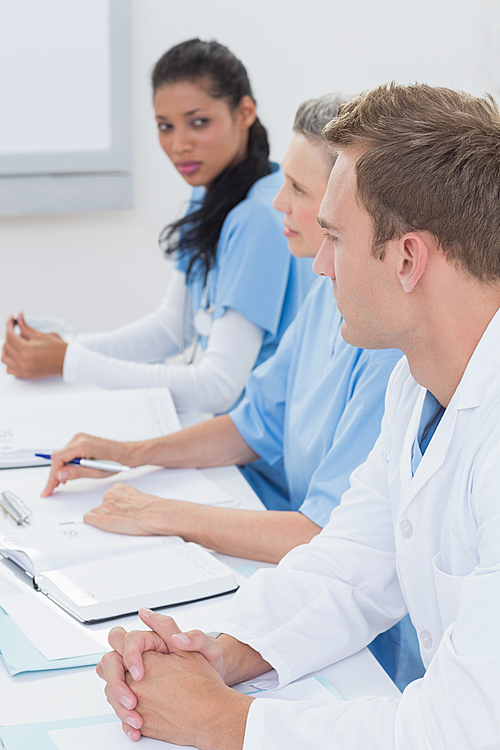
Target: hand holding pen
point(77, 460)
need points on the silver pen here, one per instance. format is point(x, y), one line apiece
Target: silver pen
point(14, 507)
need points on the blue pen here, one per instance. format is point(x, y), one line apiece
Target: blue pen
point(91, 463)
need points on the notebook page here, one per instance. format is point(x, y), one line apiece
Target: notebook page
point(58, 545)
point(44, 422)
point(141, 573)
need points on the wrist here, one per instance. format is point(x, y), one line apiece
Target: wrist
point(224, 728)
point(129, 454)
point(242, 662)
point(157, 517)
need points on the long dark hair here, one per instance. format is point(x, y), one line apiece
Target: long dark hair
point(196, 235)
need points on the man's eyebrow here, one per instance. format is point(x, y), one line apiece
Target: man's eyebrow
point(329, 227)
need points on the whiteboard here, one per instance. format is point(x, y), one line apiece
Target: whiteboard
point(65, 93)
point(55, 86)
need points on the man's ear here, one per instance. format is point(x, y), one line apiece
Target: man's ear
point(412, 262)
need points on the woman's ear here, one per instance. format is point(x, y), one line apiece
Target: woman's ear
point(412, 262)
point(247, 112)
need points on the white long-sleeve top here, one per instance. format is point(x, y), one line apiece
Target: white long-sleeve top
point(428, 544)
point(131, 356)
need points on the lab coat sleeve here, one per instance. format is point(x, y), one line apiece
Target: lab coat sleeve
point(259, 418)
point(455, 704)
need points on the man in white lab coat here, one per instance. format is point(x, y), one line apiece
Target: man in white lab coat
point(412, 223)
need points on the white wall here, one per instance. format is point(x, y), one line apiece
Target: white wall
point(98, 270)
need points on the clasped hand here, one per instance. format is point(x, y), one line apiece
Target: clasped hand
point(170, 686)
point(32, 354)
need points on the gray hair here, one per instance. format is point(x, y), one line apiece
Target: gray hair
point(314, 114)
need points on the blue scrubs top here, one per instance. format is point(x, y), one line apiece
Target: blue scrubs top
point(313, 413)
point(254, 272)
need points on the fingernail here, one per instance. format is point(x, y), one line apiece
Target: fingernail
point(125, 701)
point(132, 722)
point(182, 639)
point(144, 612)
point(134, 671)
point(63, 476)
point(129, 735)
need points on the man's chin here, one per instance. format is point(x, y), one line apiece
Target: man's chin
point(357, 338)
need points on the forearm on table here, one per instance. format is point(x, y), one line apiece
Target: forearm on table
point(253, 534)
point(215, 442)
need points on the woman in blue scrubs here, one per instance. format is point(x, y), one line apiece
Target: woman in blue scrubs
point(309, 417)
point(235, 288)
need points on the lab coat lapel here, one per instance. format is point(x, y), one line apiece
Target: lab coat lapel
point(405, 464)
point(482, 367)
point(433, 457)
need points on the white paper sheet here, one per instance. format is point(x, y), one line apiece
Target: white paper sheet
point(69, 502)
point(41, 423)
point(54, 633)
point(111, 736)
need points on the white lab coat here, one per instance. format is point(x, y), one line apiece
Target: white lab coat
point(428, 544)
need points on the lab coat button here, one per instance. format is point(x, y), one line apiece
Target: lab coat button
point(406, 529)
point(425, 638)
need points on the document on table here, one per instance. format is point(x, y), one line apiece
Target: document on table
point(105, 731)
point(112, 737)
point(44, 422)
point(71, 501)
point(54, 633)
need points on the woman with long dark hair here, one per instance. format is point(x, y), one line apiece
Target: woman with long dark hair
point(235, 287)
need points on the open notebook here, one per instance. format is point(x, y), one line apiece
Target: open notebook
point(95, 575)
point(44, 422)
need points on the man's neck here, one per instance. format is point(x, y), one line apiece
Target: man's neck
point(446, 340)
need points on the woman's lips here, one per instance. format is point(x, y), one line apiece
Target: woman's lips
point(188, 167)
point(289, 232)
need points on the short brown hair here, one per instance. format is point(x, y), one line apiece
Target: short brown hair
point(432, 163)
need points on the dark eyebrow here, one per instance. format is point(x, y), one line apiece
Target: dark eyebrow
point(329, 227)
point(186, 114)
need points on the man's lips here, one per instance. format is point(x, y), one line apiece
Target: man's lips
point(188, 167)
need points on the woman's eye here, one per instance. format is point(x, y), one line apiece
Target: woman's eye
point(164, 127)
point(200, 122)
point(297, 189)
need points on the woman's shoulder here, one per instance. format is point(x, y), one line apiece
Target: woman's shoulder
point(259, 199)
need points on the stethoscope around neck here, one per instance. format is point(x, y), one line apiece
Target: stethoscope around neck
point(202, 321)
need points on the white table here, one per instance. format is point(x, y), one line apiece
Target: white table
point(77, 692)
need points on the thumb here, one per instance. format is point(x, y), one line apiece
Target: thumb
point(197, 640)
point(27, 332)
